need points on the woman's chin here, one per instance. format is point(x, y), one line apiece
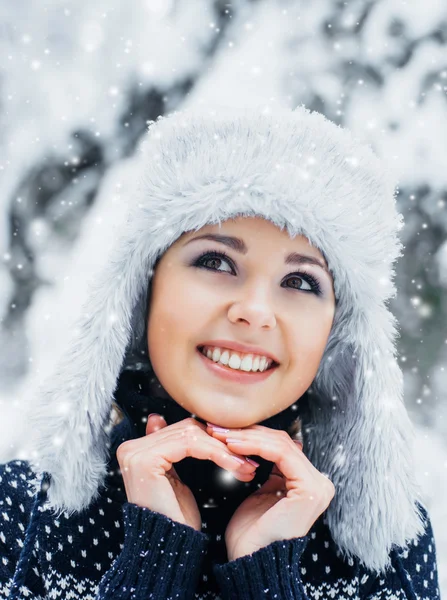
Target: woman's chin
point(223, 421)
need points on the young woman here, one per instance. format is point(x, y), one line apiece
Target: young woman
point(228, 421)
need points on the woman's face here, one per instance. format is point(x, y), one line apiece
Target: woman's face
point(252, 297)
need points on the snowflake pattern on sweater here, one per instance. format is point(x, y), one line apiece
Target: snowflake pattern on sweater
point(123, 551)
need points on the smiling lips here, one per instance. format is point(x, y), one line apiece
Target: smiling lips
point(240, 348)
point(236, 360)
point(235, 375)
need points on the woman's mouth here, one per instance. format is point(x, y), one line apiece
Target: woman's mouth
point(236, 375)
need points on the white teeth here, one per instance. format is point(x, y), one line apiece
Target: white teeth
point(224, 357)
point(216, 354)
point(234, 360)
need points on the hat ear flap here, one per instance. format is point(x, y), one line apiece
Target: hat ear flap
point(361, 437)
point(70, 416)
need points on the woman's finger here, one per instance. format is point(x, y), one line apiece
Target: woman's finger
point(270, 444)
point(189, 440)
point(279, 448)
point(154, 423)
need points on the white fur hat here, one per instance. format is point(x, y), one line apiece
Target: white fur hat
point(302, 173)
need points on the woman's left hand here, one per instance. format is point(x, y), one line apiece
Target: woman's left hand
point(288, 503)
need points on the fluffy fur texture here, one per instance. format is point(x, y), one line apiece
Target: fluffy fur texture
point(310, 177)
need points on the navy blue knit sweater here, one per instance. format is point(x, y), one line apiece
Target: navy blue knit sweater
point(118, 550)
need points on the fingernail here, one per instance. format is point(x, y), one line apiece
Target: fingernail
point(252, 462)
point(217, 428)
point(156, 415)
point(239, 460)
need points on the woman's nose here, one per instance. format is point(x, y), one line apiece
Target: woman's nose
point(257, 313)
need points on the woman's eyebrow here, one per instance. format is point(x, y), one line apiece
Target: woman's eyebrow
point(237, 244)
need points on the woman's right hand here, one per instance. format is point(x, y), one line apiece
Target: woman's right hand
point(150, 479)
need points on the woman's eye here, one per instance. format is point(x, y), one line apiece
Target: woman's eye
point(211, 258)
point(215, 258)
point(296, 277)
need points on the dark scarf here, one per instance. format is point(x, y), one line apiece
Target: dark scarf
point(138, 396)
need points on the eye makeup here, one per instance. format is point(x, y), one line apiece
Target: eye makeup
point(223, 256)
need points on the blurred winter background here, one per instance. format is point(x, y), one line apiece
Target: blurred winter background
point(79, 82)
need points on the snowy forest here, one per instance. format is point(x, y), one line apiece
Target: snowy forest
point(79, 83)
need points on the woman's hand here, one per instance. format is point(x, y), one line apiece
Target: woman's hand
point(288, 503)
point(146, 464)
